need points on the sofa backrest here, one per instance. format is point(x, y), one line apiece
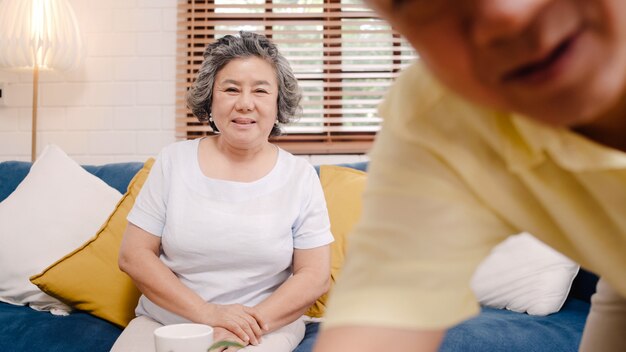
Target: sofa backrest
point(116, 175)
point(360, 165)
point(11, 174)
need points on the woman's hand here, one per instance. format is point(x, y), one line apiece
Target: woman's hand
point(221, 334)
point(242, 321)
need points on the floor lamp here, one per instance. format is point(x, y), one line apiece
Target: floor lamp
point(38, 35)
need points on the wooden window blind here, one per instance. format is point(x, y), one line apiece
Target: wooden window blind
point(343, 55)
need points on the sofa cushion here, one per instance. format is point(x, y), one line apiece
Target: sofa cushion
point(343, 187)
point(503, 330)
point(24, 329)
point(56, 208)
point(310, 335)
point(89, 278)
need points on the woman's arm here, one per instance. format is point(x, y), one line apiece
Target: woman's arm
point(310, 280)
point(374, 339)
point(139, 258)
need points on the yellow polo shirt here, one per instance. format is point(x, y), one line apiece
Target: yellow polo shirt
point(449, 180)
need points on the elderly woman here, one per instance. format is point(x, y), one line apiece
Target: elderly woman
point(230, 230)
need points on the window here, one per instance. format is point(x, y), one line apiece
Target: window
point(342, 54)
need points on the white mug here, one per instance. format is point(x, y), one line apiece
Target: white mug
point(183, 338)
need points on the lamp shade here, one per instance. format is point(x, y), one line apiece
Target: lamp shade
point(41, 33)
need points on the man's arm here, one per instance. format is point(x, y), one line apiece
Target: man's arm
point(376, 339)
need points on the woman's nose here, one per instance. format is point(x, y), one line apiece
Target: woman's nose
point(244, 102)
point(496, 21)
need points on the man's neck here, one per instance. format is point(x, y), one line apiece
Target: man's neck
point(610, 128)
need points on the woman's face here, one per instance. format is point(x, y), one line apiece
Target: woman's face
point(245, 98)
point(559, 61)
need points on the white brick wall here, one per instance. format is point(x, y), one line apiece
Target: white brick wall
point(119, 105)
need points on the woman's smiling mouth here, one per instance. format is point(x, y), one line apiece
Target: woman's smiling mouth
point(243, 121)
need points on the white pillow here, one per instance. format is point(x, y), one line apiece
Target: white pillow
point(55, 209)
point(523, 274)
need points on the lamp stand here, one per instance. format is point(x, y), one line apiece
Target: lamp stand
point(33, 146)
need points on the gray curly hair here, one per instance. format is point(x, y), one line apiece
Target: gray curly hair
point(221, 52)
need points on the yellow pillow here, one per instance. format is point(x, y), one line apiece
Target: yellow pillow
point(89, 278)
point(343, 188)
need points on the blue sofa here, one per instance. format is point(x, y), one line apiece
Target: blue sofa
point(24, 329)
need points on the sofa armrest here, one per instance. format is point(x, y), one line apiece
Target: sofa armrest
point(584, 285)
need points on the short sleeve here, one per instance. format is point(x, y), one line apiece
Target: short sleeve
point(422, 233)
point(149, 210)
point(312, 226)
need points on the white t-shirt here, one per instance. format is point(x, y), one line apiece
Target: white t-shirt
point(231, 242)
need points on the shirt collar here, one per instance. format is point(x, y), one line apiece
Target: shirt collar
point(568, 149)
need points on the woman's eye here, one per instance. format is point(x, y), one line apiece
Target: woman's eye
point(230, 89)
point(261, 91)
